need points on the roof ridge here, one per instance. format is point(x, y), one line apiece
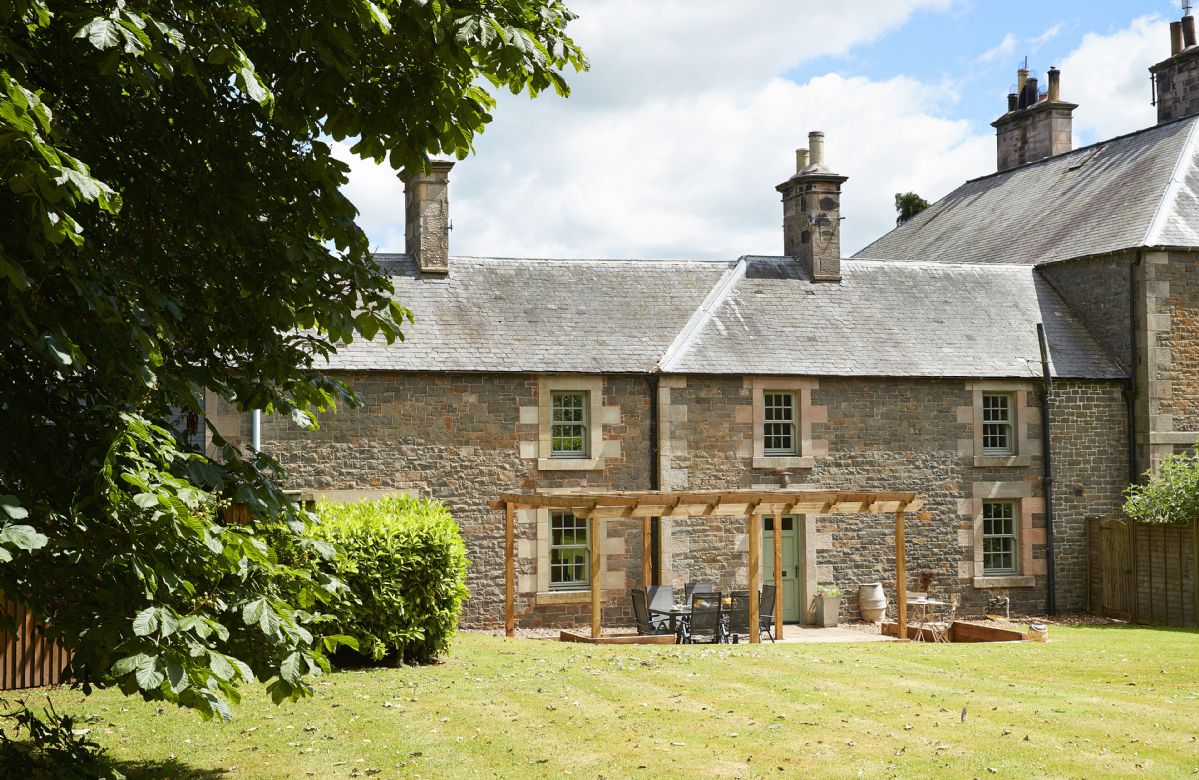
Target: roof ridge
point(700, 317)
point(1189, 149)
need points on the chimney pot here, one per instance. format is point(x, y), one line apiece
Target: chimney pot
point(1021, 77)
point(1055, 84)
point(1012, 99)
point(816, 147)
point(1175, 38)
point(1188, 31)
point(801, 160)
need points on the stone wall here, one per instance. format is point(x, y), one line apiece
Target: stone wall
point(464, 438)
point(909, 435)
point(1089, 431)
point(458, 438)
point(1178, 300)
point(1097, 291)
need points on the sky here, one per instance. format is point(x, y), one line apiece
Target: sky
point(671, 145)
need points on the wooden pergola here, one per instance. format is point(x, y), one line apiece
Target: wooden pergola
point(599, 506)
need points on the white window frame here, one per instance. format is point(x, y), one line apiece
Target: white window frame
point(788, 428)
point(583, 423)
point(1013, 518)
point(573, 584)
point(1006, 427)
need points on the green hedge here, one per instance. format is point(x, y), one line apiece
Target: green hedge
point(405, 564)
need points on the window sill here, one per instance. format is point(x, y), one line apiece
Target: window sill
point(563, 597)
point(1005, 581)
point(784, 462)
point(1000, 461)
point(570, 464)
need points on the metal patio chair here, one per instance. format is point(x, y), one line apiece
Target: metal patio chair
point(737, 616)
point(766, 612)
point(693, 586)
point(706, 619)
point(645, 625)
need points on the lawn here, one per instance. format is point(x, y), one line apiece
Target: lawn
point(1095, 701)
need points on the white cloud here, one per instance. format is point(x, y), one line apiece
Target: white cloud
point(1003, 49)
point(672, 145)
point(1107, 75)
point(1045, 37)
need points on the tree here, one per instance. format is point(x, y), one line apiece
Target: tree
point(171, 223)
point(1170, 495)
point(908, 205)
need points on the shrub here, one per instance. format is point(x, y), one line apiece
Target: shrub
point(405, 564)
point(1170, 496)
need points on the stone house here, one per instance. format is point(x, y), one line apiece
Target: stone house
point(915, 365)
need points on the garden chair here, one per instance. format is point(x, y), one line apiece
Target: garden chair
point(645, 625)
point(693, 586)
point(766, 612)
point(941, 629)
point(706, 620)
point(660, 597)
point(737, 616)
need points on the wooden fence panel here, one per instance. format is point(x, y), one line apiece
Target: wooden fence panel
point(27, 659)
point(1116, 591)
point(1143, 573)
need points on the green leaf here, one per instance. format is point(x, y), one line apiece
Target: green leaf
point(291, 667)
point(148, 675)
point(220, 666)
point(146, 500)
point(12, 507)
point(129, 664)
point(177, 677)
point(146, 622)
point(101, 32)
point(23, 537)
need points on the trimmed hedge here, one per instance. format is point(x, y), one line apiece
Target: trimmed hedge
point(405, 564)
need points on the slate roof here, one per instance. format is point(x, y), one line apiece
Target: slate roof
point(891, 319)
point(1137, 190)
point(492, 314)
point(760, 315)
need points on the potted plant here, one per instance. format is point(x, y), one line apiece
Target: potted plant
point(828, 605)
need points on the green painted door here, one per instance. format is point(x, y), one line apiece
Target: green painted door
point(792, 570)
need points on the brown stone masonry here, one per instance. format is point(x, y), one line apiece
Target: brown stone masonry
point(463, 438)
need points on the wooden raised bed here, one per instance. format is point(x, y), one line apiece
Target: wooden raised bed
point(617, 639)
point(961, 631)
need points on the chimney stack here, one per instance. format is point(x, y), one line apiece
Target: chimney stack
point(427, 217)
point(812, 213)
point(1176, 78)
point(1034, 127)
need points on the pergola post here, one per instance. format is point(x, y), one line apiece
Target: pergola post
point(646, 537)
point(509, 572)
point(901, 575)
point(597, 573)
point(755, 577)
point(778, 575)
